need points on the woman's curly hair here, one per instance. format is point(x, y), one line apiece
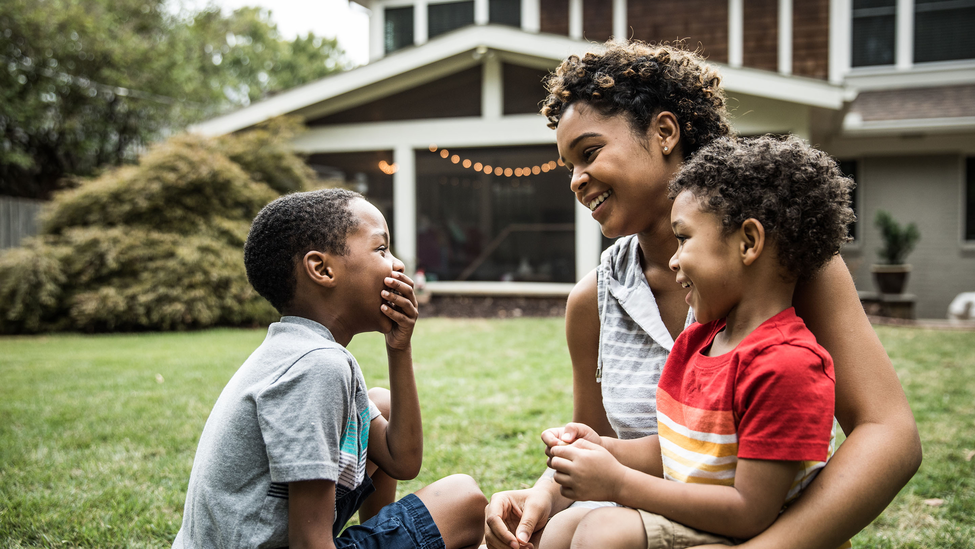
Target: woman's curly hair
point(798, 193)
point(641, 81)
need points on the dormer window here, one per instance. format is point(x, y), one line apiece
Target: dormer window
point(448, 16)
point(943, 30)
point(398, 31)
point(874, 32)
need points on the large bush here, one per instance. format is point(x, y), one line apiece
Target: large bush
point(157, 246)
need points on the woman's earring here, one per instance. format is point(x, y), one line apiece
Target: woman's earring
point(666, 149)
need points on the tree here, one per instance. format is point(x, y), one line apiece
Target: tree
point(157, 245)
point(87, 84)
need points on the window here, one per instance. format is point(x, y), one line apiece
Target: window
point(443, 18)
point(943, 30)
point(874, 32)
point(849, 168)
point(505, 12)
point(970, 199)
point(399, 28)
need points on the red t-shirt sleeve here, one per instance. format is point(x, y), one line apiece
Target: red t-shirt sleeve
point(784, 397)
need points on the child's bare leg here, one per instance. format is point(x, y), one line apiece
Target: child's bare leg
point(559, 530)
point(385, 485)
point(457, 506)
point(611, 528)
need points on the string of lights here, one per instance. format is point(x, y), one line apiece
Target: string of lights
point(467, 163)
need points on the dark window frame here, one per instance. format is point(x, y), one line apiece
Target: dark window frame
point(968, 215)
point(401, 37)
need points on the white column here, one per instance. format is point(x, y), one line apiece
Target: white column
point(904, 37)
point(575, 19)
point(492, 92)
point(421, 28)
point(377, 33)
point(736, 33)
point(589, 241)
point(482, 13)
point(404, 206)
point(621, 30)
point(840, 39)
point(531, 16)
point(785, 37)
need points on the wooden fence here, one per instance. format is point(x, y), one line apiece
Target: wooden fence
point(18, 220)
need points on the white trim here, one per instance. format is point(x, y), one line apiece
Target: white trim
point(840, 39)
point(923, 75)
point(575, 19)
point(482, 12)
point(785, 37)
point(793, 89)
point(377, 23)
point(904, 35)
point(531, 16)
point(588, 242)
point(404, 206)
point(621, 30)
point(530, 289)
point(521, 129)
point(854, 125)
point(459, 46)
point(421, 23)
point(736, 32)
point(492, 92)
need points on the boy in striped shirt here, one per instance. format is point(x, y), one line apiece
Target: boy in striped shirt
point(745, 401)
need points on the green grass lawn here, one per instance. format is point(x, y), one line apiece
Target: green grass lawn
point(97, 433)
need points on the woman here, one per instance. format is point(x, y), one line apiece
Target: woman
point(626, 119)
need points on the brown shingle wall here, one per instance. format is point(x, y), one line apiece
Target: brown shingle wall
point(597, 20)
point(701, 23)
point(554, 16)
point(810, 38)
point(761, 34)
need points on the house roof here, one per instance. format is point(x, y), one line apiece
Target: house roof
point(942, 108)
point(462, 48)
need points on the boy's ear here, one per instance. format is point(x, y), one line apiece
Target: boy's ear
point(319, 267)
point(752, 235)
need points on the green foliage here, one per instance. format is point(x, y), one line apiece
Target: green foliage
point(898, 241)
point(154, 246)
point(86, 84)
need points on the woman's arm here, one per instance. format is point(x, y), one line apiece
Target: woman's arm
point(882, 450)
point(525, 512)
point(582, 336)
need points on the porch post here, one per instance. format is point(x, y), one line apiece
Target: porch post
point(589, 241)
point(785, 37)
point(404, 206)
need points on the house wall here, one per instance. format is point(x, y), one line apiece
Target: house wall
point(926, 190)
point(597, 20)
point(701, 23)
point(554, 17)
point(810, 38)
point(761, 34)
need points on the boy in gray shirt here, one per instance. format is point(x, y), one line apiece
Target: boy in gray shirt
point(287, 453)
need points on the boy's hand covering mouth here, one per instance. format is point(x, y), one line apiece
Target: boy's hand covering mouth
point(401, 307)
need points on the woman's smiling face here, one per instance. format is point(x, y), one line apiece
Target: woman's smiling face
point(620, 176)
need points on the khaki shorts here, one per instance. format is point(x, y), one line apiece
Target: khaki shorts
point(663, 533)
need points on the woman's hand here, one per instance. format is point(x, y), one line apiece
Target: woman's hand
point(512, 517)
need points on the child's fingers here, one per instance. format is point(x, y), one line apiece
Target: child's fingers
point(401, 303)
point(401, 285)
point(398, 317)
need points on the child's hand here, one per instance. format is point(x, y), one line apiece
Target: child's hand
point(560, 436)
point(587, 471)
point(401, 308)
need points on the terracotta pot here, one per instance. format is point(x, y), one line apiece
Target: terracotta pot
point(890, 279)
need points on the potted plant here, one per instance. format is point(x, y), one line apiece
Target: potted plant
point(891, 274)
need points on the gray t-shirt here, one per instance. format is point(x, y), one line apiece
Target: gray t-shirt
point(297, 409)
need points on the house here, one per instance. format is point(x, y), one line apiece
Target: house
point(441, 128)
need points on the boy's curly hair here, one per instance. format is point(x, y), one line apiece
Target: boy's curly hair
point(288, 228)
point(641, 81)
point(797, 192)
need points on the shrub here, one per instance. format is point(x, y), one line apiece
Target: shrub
point(157, 246)
point(898, 241)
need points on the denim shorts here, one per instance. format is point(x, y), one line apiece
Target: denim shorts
point(405, 524)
